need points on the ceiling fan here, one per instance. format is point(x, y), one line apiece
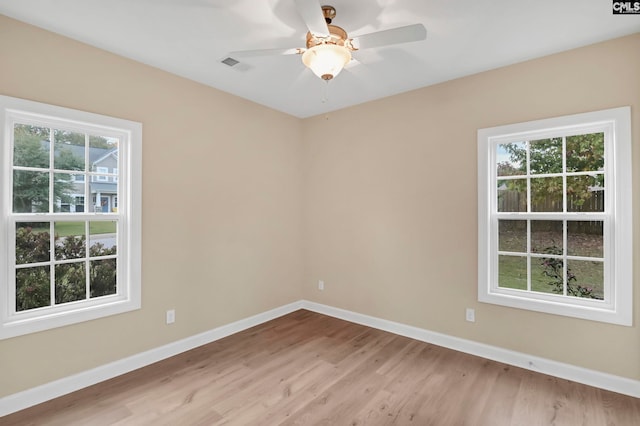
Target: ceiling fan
point(328, 47)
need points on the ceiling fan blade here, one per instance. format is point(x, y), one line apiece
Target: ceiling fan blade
point(313, 17)
point(266, 52)
point(415, 32)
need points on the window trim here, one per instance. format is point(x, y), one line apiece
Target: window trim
point(100, 174)
point(618, 309)
point(128, 297)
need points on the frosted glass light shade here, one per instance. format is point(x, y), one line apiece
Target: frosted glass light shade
point(326, 60)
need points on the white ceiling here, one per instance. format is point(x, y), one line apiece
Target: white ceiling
point(190, 38)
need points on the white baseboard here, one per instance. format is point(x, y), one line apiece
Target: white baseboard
point(30, 397)
point(561, 370)
point(39, 394)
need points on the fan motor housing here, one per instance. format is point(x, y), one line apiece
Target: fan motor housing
point(337, 36)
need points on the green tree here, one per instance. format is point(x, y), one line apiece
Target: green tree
point(74, 138)
point(31, 187)
point(584, 153)
point(63, 136)
point(24, 130)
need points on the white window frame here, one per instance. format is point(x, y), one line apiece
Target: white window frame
point(617, 306)
point(128, 293)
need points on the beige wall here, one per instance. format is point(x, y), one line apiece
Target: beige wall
point(246, 208)
point(391, 202)
point(221, 202)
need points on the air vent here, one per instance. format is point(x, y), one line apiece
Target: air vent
point(230, 61)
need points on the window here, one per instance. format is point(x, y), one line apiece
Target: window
point(62, 263)
point(554, 216)
point(79, 204)
point(102, 177)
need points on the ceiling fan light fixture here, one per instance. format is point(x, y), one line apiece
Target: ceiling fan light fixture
point(326, 60)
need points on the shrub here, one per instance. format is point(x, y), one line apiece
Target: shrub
point(33, 284)
point(553, 268)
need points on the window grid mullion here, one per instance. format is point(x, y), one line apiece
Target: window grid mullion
point(564, 174)
point(50, 170)
point(564, 221)
point(565, 251)
point(87, 242)
point(87, 198)
point(528, 171)
point(52, 267)
point(528, 255)
point(527, 160)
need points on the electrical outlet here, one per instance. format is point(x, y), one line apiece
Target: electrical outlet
point(320, 285)
point(471, 315)
point(171, 316)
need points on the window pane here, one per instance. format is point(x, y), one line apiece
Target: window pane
point(69, 150)
point(512, 235)
point(103, 238)
point(76, 196)
point(546, 236)
point(104, 196)
point(546, 194)
point(546, 275)
point(33, 289)
point(545, 156)
point(585, 193)
point(30, 146)
point(103, 277)
point(512, 195)
point(585, 238)
point(70, 240)
point(512, 272)
point(65, 190)
point(585, 153)
point(585, 279)
point(71, 282)
point(33, 242)
point(79, 203)
point(106, 143)
point(511, 159)
point(104, 160)
point(30, 192)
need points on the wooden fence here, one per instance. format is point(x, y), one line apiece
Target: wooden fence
point(516, 201)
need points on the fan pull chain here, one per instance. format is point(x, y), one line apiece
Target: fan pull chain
point(325, 92)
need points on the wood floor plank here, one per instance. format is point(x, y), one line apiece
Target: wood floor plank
point(309, 369)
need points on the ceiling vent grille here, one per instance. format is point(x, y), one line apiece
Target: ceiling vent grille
point(230, 61)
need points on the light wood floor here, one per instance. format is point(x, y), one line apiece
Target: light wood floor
point(309, 369)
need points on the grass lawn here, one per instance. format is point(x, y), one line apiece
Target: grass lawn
point(513, 274)
point(544, 236)
point(65, 229)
